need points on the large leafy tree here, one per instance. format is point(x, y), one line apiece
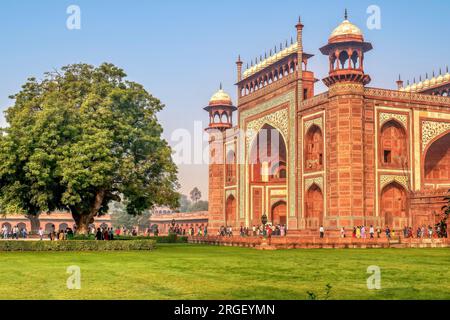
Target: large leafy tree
point(81, 138)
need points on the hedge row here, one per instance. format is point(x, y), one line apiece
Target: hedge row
point(161, 239)
point(81, 245)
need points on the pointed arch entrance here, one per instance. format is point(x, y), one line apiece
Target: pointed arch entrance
point(279, 211)
point(230, 211)
point(394, 206)
point(314, 208)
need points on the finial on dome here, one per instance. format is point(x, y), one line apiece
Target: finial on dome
point(346, 14)
point(446, 69)
point(299, 19)
point(399, 77)
point(440, 71)
point(220, 87)
point(292, 41)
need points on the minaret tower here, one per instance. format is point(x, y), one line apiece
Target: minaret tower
point(350, 170)
point(220, 109)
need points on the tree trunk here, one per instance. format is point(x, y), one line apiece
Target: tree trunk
point(84, 219)
point(35, 223)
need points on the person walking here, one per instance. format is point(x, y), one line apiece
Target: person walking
point(363, 232)
point(98, 235)
point(322, 232)
point(430, 232)
point(5, 232)
point(378, 232)
point(342, 232)
point(388, 232)
point(41, 233)
point(15, 233)
point(371, 232)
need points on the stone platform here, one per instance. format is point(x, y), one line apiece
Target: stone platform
point(293, 242)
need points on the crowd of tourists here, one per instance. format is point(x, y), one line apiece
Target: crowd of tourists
point(202, 231)
point(363, 232)
point(14, 232)
point(439, 231)
point(53, 235)
point(268, 230)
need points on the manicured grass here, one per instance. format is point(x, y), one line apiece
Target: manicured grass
point(202, 272)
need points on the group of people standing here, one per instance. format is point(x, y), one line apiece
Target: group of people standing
point(425, 232)
point(53, 235)
point(14, 232)
point(202, 231)
point(362, 232)
point(104, 234)
point(261, 230)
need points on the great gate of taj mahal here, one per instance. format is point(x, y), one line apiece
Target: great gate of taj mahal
point(354, 155)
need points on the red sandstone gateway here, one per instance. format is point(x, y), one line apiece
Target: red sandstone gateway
point(353, 155)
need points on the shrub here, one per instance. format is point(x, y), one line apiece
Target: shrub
point(161, 239)
point(80, 245)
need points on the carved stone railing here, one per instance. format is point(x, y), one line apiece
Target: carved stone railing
point(269, 88)
point(417, 97)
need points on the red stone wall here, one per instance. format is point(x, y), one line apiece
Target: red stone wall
point(216, 196)
point(426, 207)
point(345, 157)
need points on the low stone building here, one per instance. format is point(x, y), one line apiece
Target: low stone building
point(58, 221)
point(183, 220)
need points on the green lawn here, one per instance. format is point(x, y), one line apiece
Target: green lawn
point(202, 272)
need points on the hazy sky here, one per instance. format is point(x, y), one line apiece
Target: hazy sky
point(181, 50)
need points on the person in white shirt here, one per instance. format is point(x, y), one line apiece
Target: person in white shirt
point(372, 232)
point(322, 231)
point(41, 233)
point(5, 232)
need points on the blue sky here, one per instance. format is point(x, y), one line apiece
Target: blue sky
point(181, 50)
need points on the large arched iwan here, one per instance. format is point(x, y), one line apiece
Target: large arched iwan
point(437, 163)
